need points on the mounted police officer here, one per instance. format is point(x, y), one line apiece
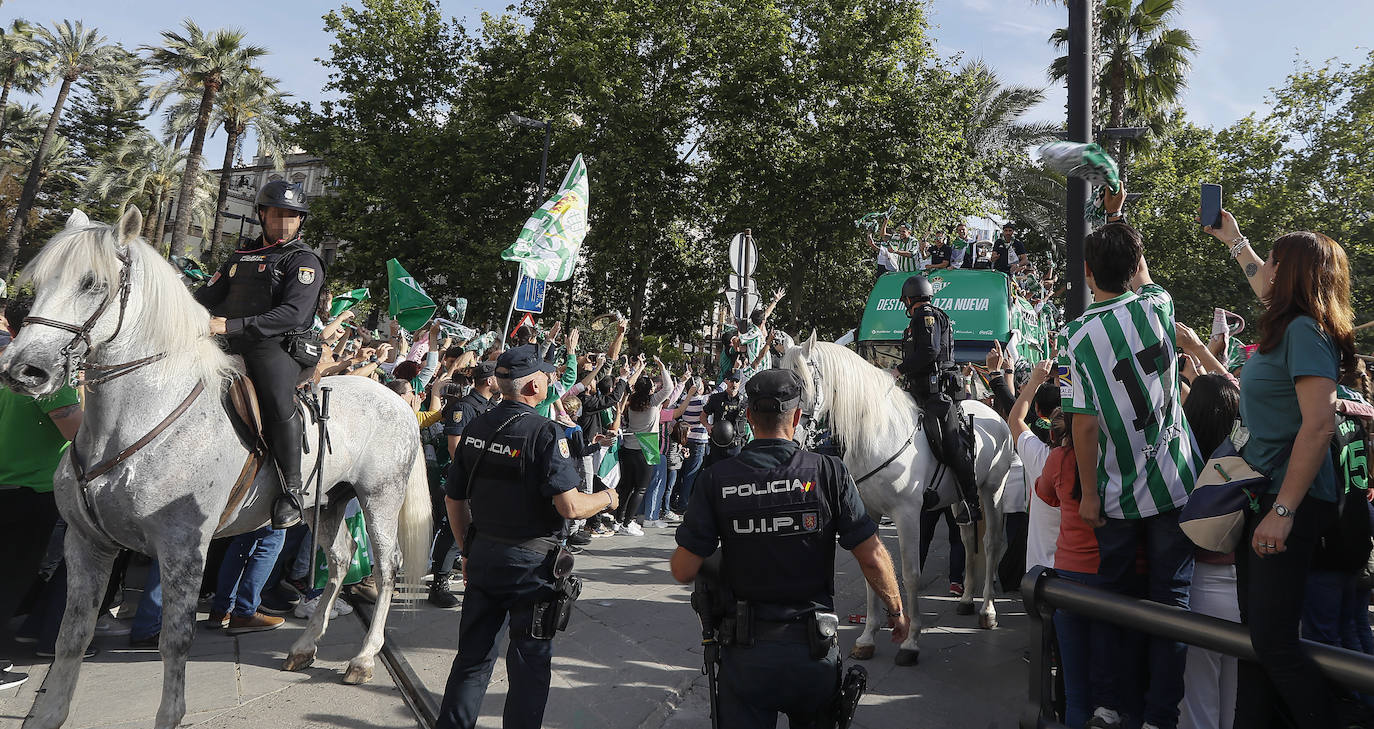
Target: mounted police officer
point(510, 491)
point(933, 379)
point(263, 299)
point(776, 511)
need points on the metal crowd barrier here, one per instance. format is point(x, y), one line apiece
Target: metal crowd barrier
point(1043, 592)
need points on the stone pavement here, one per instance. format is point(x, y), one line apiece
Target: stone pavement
point(631, 659)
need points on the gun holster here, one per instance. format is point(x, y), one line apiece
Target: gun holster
point(823, 630)
point(851, 690)
point(552, 615)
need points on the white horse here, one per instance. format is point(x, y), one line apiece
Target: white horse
point(879, 427)
point(164, 375)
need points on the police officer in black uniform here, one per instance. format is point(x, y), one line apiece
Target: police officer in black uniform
point(514, 483)
point(723, 415)
point(933, 379)
point(261, 297)
point(776, 511)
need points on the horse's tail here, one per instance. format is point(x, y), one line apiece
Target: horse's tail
point(415, 529)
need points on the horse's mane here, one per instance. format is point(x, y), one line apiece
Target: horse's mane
point(169, 319)
point(863, 401)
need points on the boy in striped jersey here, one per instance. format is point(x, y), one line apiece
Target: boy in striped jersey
point(1134, 444)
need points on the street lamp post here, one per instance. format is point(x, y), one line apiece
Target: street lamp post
point(1080, 105)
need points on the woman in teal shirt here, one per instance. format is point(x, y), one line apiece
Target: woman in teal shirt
point(1288, 403)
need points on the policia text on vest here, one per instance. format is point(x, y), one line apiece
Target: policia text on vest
point(511, 488)
point(775, 513)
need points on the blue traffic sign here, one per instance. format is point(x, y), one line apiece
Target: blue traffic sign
point(529, 295)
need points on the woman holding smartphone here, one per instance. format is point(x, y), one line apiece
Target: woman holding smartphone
point(1288, 403)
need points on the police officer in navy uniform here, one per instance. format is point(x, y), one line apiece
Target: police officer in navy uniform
point(513, 481)
point(776, 511)
point(476, 402)
point(265, 292)
point(723, 414)
point(933, 379)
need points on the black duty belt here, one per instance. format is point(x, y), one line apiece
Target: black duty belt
point(540, 545)
point(793, 632)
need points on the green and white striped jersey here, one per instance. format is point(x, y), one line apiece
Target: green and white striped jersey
point(903, 263)
point(1117, 362)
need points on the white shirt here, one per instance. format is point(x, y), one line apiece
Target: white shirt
point(1043, 532)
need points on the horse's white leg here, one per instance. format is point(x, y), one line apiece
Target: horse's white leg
point(182, 565)
point(968, 534)
point(994, 546)
point(909, 543)
point(88, 569)
point(864, 647)
point(381, 530)
point(337, 544)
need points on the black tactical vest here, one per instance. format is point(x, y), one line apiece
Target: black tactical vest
point(777, 530)
point(505, 493)
point(255, 279)
point(929, 342)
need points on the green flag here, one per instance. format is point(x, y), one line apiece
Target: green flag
point(457, 310)
point(344, 302)
point(547, 247)
point(410, 306)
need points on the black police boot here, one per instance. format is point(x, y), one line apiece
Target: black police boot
point(959, 449)
point(285, 437)
point(440, 594)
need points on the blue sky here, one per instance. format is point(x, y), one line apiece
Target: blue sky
point(1246, 46)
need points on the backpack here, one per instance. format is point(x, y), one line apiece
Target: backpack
point(1346, 545)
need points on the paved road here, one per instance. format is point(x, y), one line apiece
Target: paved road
point(630, 660)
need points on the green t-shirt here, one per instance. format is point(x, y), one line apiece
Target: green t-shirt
point(1269, 400)
point(30, 443)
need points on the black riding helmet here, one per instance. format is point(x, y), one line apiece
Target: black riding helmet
point(917, 288)
point(284, 195)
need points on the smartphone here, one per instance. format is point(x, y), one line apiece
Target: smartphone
point(1211, 205)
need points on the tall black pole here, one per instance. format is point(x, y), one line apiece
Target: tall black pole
point(1080, 130)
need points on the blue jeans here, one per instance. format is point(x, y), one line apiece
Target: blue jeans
point(1169, 555)
point(957, 557)
point(658, 481)
point(667, 501)
point(687, 475)
point(1075, 655)
point(148, 619)
point(1323, 609)
point(245, 570)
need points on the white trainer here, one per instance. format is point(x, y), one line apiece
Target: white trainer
point(633, 530)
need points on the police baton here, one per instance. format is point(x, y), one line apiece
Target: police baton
point(318, 475)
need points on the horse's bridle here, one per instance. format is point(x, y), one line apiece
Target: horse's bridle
point(73, 362)
point(808, 417)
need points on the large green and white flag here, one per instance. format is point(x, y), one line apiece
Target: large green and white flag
point(410, 306)
point(609, 468)
point(547, 247)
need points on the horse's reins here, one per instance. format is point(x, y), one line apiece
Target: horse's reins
point(73, 363)
point(817, 392)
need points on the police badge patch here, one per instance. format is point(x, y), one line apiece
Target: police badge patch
point(213, 279)
point(809, 521)
point(233, 270)
point(305, 275)
point(563, 448)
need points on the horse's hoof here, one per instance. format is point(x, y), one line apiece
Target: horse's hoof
point(357, 674)
point(987, 622)
point(862, 652)
point(963, 608)
point(298, 661)
point(907, 657)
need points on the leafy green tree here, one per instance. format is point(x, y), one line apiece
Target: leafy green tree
point(74, 53)
point(23, 65)
point(199, 64)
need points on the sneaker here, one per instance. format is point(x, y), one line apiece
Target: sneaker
point(217, 621)
point(1104, 718)
point(10, 679)
point(956, 589)
point(107, 625)
point(91, 651)
point(617, 527)
point(299, 585)
point(579, 538)
point(306, 608)
point(150, 641)
point(255, 623)
point(672, 517)
point(440, 593)
point(633, 530)
point(601, 532)
point(654, 524)
point(275, 602)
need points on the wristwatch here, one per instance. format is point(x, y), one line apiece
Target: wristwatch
point(1283, 511)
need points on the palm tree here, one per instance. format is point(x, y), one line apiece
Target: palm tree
point(200, 64)
point(248, 99)
point(1143, 62)
point(140, 170)
point(75, 53)
point(992, 127)
point(23, 66)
